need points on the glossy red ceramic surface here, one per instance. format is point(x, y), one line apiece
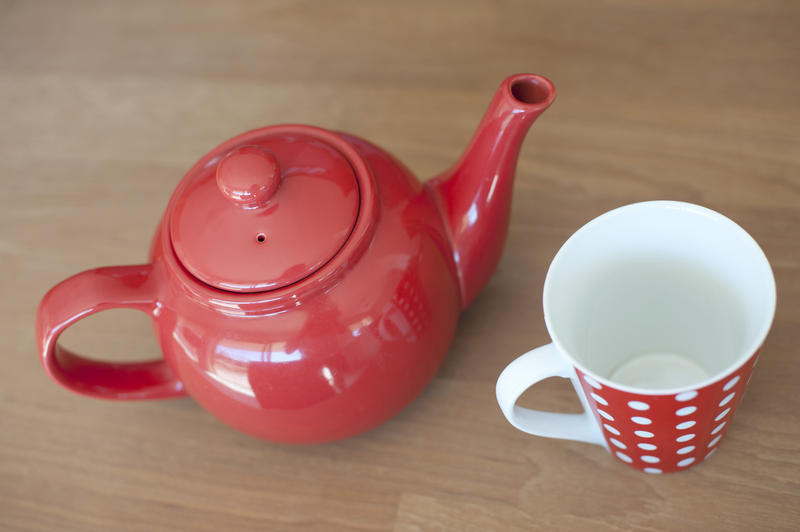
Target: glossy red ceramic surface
point(341, 314)
point(662, 433)
point(249, 176)
point(475, 194)
point(267, 213)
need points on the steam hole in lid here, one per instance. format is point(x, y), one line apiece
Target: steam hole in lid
point(530, 90)
point(261, 237)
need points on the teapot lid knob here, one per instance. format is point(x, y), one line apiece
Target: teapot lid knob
point(249, 176)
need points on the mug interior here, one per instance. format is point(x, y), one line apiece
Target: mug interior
point(659, 296)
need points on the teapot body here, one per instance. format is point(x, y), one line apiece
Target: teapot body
point(303, 284)
point(333, 362)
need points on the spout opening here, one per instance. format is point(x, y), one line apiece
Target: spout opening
point(532, 90)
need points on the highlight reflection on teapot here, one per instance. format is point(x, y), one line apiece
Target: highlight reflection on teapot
point(303, 284)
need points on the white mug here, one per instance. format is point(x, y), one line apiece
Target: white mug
point(657, 312)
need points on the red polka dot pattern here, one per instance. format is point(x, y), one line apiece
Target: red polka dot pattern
point(665, 433)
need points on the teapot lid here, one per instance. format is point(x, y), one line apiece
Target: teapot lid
point(266, 212)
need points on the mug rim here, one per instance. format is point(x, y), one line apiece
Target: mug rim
point(738, 362)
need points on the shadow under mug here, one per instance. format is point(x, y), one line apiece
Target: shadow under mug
point(656, 312)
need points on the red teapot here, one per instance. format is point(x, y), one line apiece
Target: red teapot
point(304, 286)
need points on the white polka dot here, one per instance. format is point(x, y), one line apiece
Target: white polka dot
point(611, 429)
point(727, 399)
point(624, 457)
point(599, 399)
point(713, 442)
point(618, 443)
point(685, 437)
point(605, 414)
point(652, 470)
point(709, 454)
point(643, 434)
point(650, 459)
point(686, 396)
point(685, 450)
point(685, 425)
point(718, 427)
point(646, 446)
point(591, 382)
point(639, 420)
point(722, 414)
point(638, 405)
point(686, 461)
point(686, 410)
point(730, 384)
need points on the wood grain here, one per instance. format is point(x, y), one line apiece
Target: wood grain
point(104, 106)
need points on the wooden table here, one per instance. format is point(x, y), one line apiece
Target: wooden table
point(104, 106)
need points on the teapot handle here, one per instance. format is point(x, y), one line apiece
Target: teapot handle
point(82, 295)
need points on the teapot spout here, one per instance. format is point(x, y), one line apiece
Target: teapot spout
point(475, 194)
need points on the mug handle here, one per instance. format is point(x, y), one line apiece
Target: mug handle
point(82, 295)
point(527, 370)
